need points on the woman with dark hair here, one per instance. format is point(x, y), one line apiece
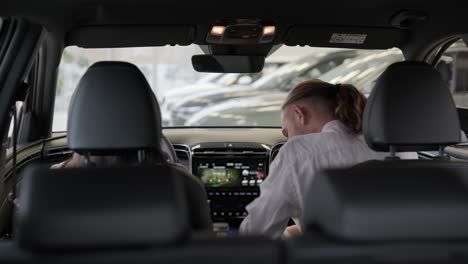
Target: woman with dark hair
point(323, 124)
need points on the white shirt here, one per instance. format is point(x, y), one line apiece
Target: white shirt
point(291, 173)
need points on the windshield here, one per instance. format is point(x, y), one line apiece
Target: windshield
point(189, 98)
point(363, 70)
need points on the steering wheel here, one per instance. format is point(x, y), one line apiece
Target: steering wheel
point(168, 150)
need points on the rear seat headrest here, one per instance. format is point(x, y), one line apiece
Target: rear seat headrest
point(112, 109)
point(410, 108)
point(89, 208)
point(402, 202)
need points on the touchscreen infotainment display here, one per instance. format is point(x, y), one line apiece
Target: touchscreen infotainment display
point(231, 174)
point(220, 177)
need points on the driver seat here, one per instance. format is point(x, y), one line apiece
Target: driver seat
point(140, 212)
point(114, 112)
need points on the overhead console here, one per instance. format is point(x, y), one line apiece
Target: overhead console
point(236, 46)
point(232, 174)
point(241, 32)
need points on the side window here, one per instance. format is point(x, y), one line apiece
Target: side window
point(453, 67)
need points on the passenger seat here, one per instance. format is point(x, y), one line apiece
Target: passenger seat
point(394, 211)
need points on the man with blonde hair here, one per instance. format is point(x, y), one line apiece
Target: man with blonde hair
point(323, 124)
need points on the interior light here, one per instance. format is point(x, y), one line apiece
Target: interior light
point(269, 30)
point(218, 30)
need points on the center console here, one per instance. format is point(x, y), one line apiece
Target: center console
point(232, 174)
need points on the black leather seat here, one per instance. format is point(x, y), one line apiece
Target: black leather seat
point(137, 211)
point(63, 218)
point(99, 208)
point(114, 112)
point(394, 211)
point(410, 109)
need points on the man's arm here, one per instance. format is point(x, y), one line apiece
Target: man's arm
point(270, 212)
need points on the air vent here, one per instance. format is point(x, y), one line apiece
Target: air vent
point(184, 155)
point(182, 151)
point(205, 152)
point(274, 151)
point(233, 149)
point(57, 152)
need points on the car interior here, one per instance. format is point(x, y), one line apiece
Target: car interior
point(170, 112)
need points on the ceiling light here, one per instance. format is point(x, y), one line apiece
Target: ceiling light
point(218, 30)
point(269, 30)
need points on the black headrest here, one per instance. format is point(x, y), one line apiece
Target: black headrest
point(93, 208)
point(400, 202)
point(113, 108)
point(410, 108)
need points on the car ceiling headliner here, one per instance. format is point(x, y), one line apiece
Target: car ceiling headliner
point(445, 18)
point(335, 12)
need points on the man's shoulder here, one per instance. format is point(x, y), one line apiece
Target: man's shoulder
point(301, 147)
point(308, 141)
point(304, 144)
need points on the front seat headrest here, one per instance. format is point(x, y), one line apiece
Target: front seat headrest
point(112, 109)
point(99, 208)
point(410, 109)
point(399, 203)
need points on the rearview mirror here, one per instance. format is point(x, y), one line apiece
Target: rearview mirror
point(228, 63)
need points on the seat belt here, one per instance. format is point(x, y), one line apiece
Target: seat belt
point(13, 195)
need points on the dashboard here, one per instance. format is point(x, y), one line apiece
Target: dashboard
point(231, 163)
